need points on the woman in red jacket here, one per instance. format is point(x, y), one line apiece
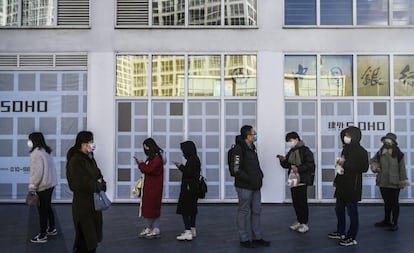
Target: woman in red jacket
point(153, 170)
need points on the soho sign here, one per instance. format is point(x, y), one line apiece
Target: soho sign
point(23, 106)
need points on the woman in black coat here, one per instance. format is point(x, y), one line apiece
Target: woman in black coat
point(84, 178)
point(187, 202)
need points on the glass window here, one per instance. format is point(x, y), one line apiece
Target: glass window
point(336, 75)
point(38, 13)
point(204, 75)
point(403, 12)
point(404, 75)
point(168, 75)
point(337, 12)
point(300, 12)
point(8, 12)
point(240, 12)
point(373, 75)
point(168, 12)
point(203, 12)
point(240, 75)
point(132, 75)
point(372, 12)
point(300, 75)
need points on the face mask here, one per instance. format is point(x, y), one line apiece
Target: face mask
point(30, 144)
point(92, 147)
point(147, 152)
point(347, 140)
point(255, 138)
point(290, 144)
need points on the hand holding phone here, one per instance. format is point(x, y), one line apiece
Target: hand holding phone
point(281, 157)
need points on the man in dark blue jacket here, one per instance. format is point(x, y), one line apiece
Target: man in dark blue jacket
point(248, 182)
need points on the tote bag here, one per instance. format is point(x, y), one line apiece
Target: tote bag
point(101, 201)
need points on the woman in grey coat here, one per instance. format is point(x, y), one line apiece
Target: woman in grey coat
point(388, 163)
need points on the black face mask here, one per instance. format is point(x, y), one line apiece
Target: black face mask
point(388, 146)
point(147, 152)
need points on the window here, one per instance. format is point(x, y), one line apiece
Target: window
point(373, 75)
point(404, 75)
point(204, 75)
point(300, 75)
point(132, 75)
point(337, 12)
point(372, 12)
point(403, 12)
point(300, 12)
point(240, 75)
point(168, 75)
point(336, 75)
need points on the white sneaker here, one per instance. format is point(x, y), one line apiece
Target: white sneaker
point(155, 233)
point(303, 228)
point(295, 226)
point(186, 236)
point(193, 232)
point(144, 232)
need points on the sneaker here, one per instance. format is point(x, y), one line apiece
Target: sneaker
point(261, 242)
point(393, 227)
point(39, 239)
point(303, 228)
point(336, 235)
point(383, 224)
point(186, 236)
point(52, 232)
point(144, 232)
point(348, 242)
point(247, 244)
point(294, 226)
point(194, 232)
point(154, 234)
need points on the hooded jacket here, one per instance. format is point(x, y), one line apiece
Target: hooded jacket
point(349, 185)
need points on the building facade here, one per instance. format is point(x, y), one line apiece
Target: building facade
point(200, 69)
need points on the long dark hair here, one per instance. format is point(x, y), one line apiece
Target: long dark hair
point(82, 137)
point(38, 141)
point(154, 149)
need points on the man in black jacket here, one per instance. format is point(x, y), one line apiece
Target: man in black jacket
point(248, 181)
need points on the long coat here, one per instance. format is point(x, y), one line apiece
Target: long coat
point(187, 202)
point(82, 174)
point(152, 187)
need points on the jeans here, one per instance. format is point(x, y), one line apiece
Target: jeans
point(300, 203)
point(46, 216)
point(153, 223)
point(352, 209)
point(248, 214)
point(189, 221)
point(391, 204)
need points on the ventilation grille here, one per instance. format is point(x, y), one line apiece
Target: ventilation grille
point(132, 12)
point(71, 61)
point(73, 13)
point(36, 60)
point(8, 60)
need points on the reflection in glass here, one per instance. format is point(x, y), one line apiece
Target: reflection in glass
point(204, 75)
point(203, 12)
point(300, 75)
point(8, 12)
point(404, 75)
point(240, 12)
point(240, 75)
point(132, 75)
point(168, 12)
point(372, 12)
point(38, 12)
point(373, 75)
point(403, 12)
point(300, 12)
point(336, 75)
point(168, 75)
point(337, 12)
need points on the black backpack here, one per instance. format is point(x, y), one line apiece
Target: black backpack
point(230, 161)
point(201, 187)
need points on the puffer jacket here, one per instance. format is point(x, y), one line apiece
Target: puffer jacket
point(42, 171)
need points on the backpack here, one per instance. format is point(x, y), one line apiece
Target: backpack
point(230, 161)
point(201, 187)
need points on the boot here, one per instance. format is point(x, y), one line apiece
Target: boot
point(194, 232)
point(186, 236)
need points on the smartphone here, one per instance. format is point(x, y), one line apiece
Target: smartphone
point(136, 159)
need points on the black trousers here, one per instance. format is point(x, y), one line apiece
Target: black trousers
point(189, 221)
point(391, 204)
point(300, 203)
point(46, 215)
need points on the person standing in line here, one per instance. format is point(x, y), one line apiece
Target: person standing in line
point(187, 202)
point(84, 178)
point(300, 162)
point(153, 170)
point(388, 163)
point(348, 183)
point(248, 175)
point(42, 181)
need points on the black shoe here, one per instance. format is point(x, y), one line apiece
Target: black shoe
point(383, 224)
point(247, 244)
point(393, 227)
point(261, 242)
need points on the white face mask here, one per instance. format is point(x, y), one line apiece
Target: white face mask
point(347, 140)
point(92, 147)
point(290, 144)
point(30, 144)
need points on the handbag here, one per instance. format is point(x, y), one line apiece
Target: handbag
point(101, 201)
point(32, 199)
point(137, 189)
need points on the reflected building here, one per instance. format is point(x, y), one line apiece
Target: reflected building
point(8, 12)
point(38, 13)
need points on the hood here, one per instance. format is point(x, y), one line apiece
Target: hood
point(354, 132)
point(188, 148)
